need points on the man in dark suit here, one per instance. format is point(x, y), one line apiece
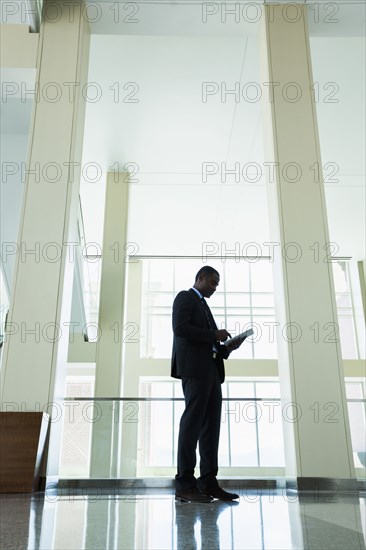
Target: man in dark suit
point(198, 359)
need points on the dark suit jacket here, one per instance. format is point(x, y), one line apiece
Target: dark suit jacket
point(193, 339)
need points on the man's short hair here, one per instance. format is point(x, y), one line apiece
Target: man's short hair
point(206, 270)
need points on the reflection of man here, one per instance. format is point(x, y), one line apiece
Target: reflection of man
point(186, 518)
point(198, 360)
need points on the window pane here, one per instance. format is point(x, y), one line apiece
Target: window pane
point(263, 300)
point(237, 299)
point(161, 299)
point(267, 389)
point(160, 338)
point(340, 276)
point(235, 311)
point(264, 338)
point(344, 312)
point(241, 389)
point(271, 448)
point(243, 439)
point(354, 390)
point(261, 276)
point(356, 413)
point(343, 300)
point(236, 276)
point(160, 433)
point(160, 273)
point(347, 337)
point(256, 312)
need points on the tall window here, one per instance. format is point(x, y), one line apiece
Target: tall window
point(356, 395)
point(251, 431)
point(244, 299)
point(345, 310)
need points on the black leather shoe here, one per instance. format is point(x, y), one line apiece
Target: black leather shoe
point(217, 492)
point(192, 495)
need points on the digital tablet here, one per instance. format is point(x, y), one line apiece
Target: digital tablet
point(240, 337)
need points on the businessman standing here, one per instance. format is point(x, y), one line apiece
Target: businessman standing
point(198, 360)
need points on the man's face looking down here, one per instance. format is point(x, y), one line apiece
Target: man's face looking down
point(207, 284)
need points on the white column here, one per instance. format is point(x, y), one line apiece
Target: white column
point(111, 328)
point(132, 412)
point(316, 426)
point(34, 365)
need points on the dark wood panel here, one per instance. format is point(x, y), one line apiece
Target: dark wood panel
point(22, 439)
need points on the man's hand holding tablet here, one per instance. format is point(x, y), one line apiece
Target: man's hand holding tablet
point(236, 342)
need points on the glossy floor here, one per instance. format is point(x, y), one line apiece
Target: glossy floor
point(145, 519)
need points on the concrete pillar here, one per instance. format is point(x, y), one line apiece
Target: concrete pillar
point(316, 426)
point(111, 328)
point(34, 366)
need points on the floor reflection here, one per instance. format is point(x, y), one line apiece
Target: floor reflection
point(151, 519)
point(197, 525)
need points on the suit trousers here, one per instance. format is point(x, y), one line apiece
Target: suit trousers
point(200, 423)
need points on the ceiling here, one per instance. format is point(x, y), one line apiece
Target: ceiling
point(233, 18)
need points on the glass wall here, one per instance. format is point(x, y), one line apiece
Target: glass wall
point(251, 441)
point(337, 42)
point(251, 431)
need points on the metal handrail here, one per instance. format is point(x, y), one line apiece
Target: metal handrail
point(182, 399)
point(165, 398)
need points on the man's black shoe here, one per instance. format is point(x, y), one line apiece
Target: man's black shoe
point(217, 492)
point(192, 495)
